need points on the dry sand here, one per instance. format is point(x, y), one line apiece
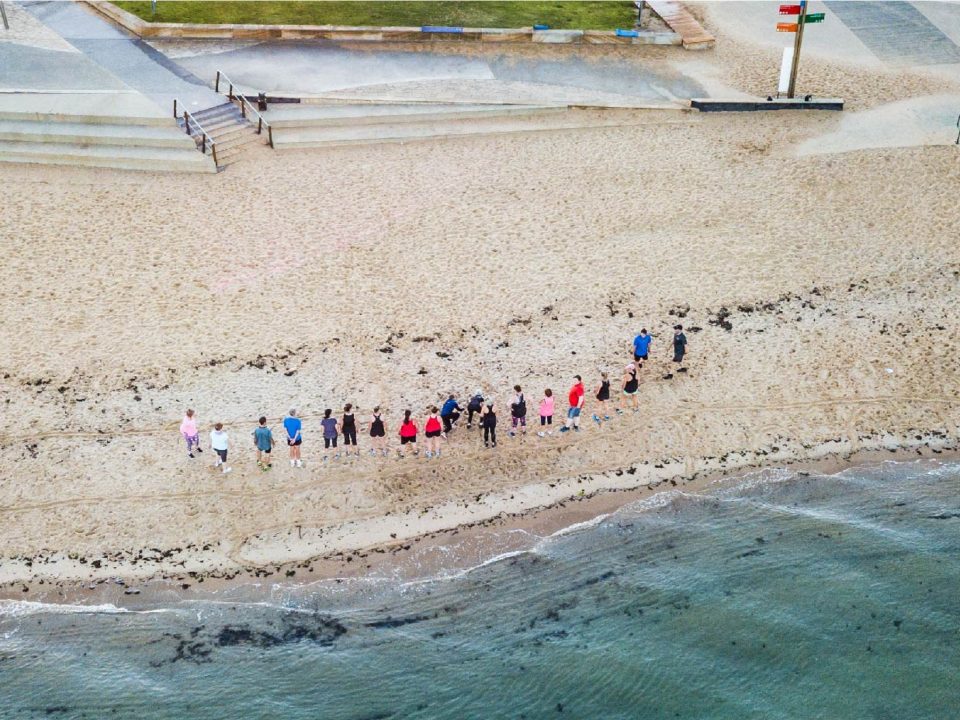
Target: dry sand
point(820, 295)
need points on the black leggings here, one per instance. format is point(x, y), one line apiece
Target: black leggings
point(490, 434)
point(350, 436)
point(329, 442)
point(470, 413)
point(449, 420)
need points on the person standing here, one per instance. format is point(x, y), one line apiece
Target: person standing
point(518, 413)
point(331, 430)
point(263, 441)
point(220, 443)
point(294, 426)
point(602, 393)
point(450, 413)
point(546, 413)
point(629, 384)
point(679, 345)
point(433, 430)
point(488, 421)
point(641, 347)
point(348, 427)
point(378, 433)
point(408, 434)
point(575, 398)
point(190, 433)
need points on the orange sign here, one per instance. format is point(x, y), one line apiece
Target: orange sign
point(786, 27)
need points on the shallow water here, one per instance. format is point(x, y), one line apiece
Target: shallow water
point(784, 597)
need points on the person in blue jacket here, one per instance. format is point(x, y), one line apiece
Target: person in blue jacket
point(450, 413)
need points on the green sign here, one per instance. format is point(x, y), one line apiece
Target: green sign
point(814, 18)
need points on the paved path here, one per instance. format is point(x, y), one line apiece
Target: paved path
point(897, 32)
point(129, 59)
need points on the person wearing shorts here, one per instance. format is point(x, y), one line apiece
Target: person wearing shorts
point(263, 441)
point(575, 398)
point(408, 434)
point(518, 413)
point(546, 413)
point(331, 430)
point(378, 433)
point(293, 425)
point(641, 346)
point(628, 389)
point(433, 430)
point(348, 426)
point(220, 443)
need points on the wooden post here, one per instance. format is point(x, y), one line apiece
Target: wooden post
point(3, 14)
point(797, 40)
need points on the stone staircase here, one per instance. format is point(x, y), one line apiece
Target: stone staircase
point(78, 131)
point(313, 124)
point(231, 132)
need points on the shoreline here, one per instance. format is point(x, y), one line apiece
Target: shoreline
point(366, 550)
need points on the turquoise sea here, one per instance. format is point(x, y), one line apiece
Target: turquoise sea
point(781, 596)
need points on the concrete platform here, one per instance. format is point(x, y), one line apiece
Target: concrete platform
point(353, 134)
point(107, 156)
point(309, 115)
point(120, 108)
point(43, 131)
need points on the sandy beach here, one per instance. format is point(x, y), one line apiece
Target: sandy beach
point(819, 292)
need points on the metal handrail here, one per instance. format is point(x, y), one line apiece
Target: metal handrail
point(205, 137)
point(958, 130)
point(244, 105)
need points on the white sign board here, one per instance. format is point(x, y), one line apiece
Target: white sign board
point(785, 64)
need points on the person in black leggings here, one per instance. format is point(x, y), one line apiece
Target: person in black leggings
point(488, 421)
point(348, 426)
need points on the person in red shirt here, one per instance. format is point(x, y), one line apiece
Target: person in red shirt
point(434, 431)
point(408, 434)
point(576, 405)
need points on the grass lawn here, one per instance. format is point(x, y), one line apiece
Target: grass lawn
point(573, 15)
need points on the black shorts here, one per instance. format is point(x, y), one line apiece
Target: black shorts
point(433, 433)
point(405, 440)
point(291, 443)
point(678, 357)
point(222, 454)
point(329, 442)
point(546, 419)
point(377, 433)
point(639, 358)
point(603, 397)
point(263, 451)
point(350, 437)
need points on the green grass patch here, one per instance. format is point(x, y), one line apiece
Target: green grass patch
point(571, 15)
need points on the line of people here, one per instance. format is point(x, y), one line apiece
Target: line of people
point(439, 422)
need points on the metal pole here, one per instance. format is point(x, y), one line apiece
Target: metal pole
point(3, 14)
point(797, 40)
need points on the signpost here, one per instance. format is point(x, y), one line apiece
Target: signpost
point(803, 19)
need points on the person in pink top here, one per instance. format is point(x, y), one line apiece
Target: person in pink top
point(188, 428)
point(546, 413)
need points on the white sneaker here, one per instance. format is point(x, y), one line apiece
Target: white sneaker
point(299, 463)
point(226, 470)
point(541, 434)
point(293, 463)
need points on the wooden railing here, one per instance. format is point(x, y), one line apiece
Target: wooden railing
point(245, 105)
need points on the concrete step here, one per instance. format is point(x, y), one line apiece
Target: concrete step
point(107, 156)
point(301, 115)
point(39, 131)
point(289, 138)
point(100, 108)
point(220, 111)
point(212, 126)
point(231, 132)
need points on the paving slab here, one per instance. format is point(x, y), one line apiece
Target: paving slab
point(126, 107)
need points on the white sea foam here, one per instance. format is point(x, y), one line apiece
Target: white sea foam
point(593, 522)
point(21, 608)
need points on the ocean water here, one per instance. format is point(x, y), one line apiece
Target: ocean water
point(783, 596)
